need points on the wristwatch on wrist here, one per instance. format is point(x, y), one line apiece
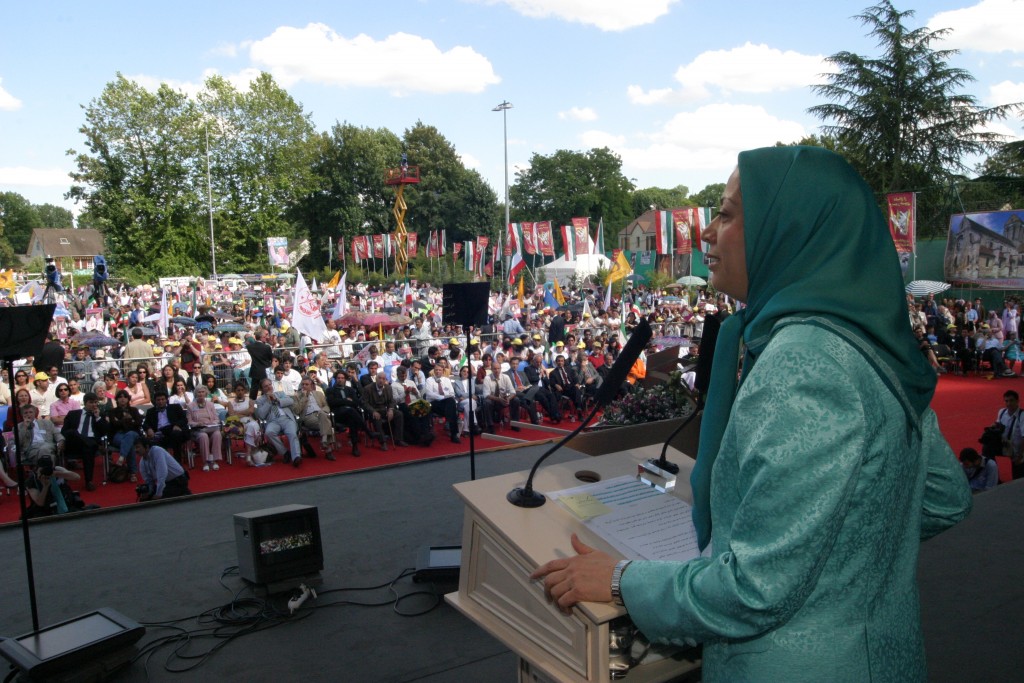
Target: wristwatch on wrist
point(620, 567)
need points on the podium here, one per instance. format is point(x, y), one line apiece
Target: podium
point(502, 544)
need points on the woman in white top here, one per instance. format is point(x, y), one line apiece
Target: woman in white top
point(182, 396)
point(1011, 318)
point(243, 407)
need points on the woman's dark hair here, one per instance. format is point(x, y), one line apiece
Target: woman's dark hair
point(207, 378)
point(121, 393)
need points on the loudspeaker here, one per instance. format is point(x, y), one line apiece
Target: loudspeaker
point(466, 303)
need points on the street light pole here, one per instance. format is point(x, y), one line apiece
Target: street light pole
point(209, 205)
point(503, 108)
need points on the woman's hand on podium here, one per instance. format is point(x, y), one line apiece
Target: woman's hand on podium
point(585, 577)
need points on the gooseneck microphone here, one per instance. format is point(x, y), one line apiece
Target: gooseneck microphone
point(708, 340)
point(525, 496)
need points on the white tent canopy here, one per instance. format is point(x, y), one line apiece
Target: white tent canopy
point(584, 265)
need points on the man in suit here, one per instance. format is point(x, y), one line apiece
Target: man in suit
point(274, 408)
point(262, 357)
point(38, 437)
point(379, 400)
point(522, 387)
point(539, 390)
point(563, 381)
point(82, 431)
point(311, 409)
point(166, 424)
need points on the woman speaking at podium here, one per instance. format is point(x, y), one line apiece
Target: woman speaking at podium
point(820, 466)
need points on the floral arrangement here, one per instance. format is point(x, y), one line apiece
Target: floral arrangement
point(420, 408)
point(665, 401)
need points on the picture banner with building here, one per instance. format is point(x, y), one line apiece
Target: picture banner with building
point(902, 220)
point(986, 249)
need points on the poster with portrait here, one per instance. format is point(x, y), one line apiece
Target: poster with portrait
point(581, 234)
point(545, 240)
point(682, 219)
point(277, 247)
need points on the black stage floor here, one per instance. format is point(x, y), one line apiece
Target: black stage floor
point(165, 561)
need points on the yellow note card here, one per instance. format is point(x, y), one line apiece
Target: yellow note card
point(584, 505)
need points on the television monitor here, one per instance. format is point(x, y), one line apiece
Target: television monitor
point(278, 544)
point(83, 641)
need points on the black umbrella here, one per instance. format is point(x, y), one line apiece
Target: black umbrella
point(146, 331)
point(184, 320)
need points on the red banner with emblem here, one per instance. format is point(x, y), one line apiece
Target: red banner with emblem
point(545, 240)
point(903, 220)
point(581, 235)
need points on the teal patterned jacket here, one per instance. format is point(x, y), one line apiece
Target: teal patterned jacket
point(820, 496)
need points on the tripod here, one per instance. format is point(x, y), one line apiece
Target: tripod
point(50, 294)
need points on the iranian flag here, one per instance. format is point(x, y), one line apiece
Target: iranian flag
point(514, 241)
point(408, 294)
point(360, 248)
point(569, 242)
point(441, 244)
point(703, 221)
point(516, 267)
point(481, 253)
point(470, 259)
point(663, 232)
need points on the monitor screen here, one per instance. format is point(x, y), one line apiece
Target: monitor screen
point(283, 540)
point(56, 640)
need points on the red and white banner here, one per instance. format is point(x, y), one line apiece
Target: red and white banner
point(515, 268)
point(360, 248)
point(378, 246)
point(545, 240)
point(512, 239)
point(581, 235)
point(529, 238)
point(411, 241)
point(432, 250)
point(682, 219)
point(903, 220)
point(569, 242)
point(663, 232)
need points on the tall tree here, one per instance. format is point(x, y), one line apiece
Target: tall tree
point(20, 218)
point(449, 195)
point(901, 118)
point(711, 195)
point(568, 184)
point(53, 216)
point(660, 198)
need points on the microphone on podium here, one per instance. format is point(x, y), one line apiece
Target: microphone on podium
point(709, 338)
point(525, 496)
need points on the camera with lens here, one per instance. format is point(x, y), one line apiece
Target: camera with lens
point(51, 274)
point(45, 466)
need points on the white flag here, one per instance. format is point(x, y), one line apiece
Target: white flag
point(341, 306)
point(163, 320)
point(306, 317)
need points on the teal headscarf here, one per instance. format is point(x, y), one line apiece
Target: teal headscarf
point(818, 252)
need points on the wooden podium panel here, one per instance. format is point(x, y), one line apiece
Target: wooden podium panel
point(502, 544)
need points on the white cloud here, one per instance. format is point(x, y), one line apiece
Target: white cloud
point(708, 138)
point(25, 176)
point(401, 62)
point(1006, 92)
point(989, 26)
point(240, 81)
point(637, 95)
point(751, 69)
point(469, 161)
point(607, 15)
point(578, 114)
point(8, 102)
point(746, 69)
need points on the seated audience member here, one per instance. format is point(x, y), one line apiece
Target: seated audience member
point(241, 422)
point(124, 429)
point(499, 394)
point(48, 490)
point(311, 410)
point(982, 473)
point(164, 477)
point(440, 391)
point(204, 424)
point(462, 394)
point(540, 382)
point(82, 432)
point(418, 429)
point(379, 401)
point(43, 394)
point(274, 409)
point(166, 424)
point(63, 405)
point(344, 396)
point(38, 437)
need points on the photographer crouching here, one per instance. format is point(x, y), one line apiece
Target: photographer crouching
point(164, 477)
point(49, 492)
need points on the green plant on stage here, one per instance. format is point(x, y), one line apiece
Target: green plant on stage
point(664, 401)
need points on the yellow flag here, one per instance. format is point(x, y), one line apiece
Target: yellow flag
point(559, 297)
point(334, 281)
point(7, 279)
point(521, 293)
point(620, 269)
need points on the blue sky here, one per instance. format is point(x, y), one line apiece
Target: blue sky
point(675, 87)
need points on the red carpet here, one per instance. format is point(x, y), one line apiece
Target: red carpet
point(240, 475)
point(965, 405)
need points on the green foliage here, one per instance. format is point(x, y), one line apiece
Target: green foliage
point(571, 184)
point(901, 118)
point(659, 280)
point(20, 219)
point(709, 196)
point(661, 402)
point(660, 198)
